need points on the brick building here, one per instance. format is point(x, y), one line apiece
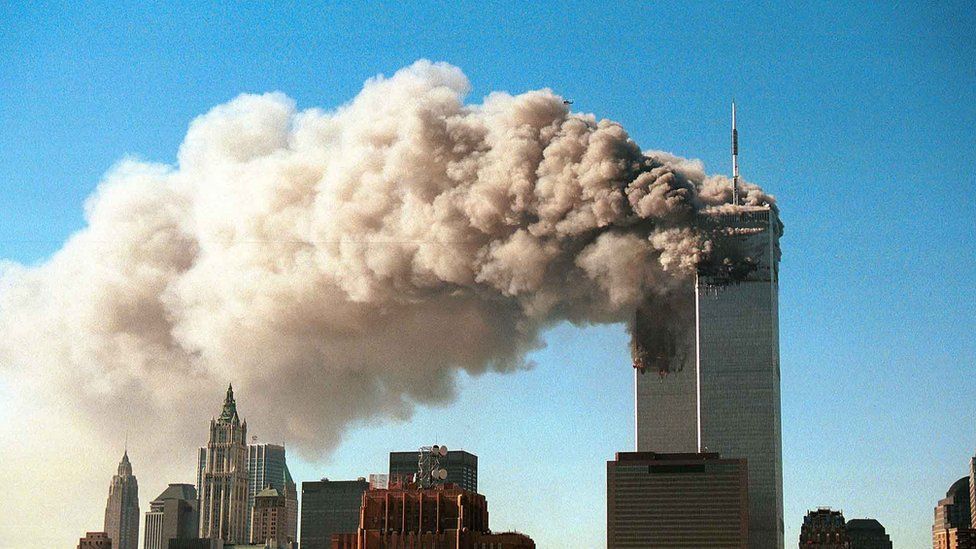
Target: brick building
point(95, 540)
point(407, 516)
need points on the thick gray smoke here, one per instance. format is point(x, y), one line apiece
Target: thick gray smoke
point(343, 265)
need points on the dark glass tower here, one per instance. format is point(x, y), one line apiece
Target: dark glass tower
point(330, 507)
point(266, 466)
point(462, 467)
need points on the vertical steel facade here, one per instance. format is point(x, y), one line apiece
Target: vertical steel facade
point(726, 397)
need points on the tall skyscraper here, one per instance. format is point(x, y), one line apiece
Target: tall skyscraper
point(122, 509)
point(172, 515)
point(223, 477)
point(707, 376)
point(462, 467)
point(677, 500)
point(266, 466)
point(718, 389)
point(330, 507)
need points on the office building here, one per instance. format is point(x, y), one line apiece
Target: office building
point(223, 477)
point(270, 518)
point(329, 507)
point(266, 466)
point(172, 515)
point(122, 508)
point(867, 534)
point(408, 515)
point(957, 538)
point(462, 467)
point(677, 500)
point(824, 529)
point(95, 540)
point(708, 379)
point(952, 527)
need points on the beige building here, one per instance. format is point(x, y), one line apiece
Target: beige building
point(222, 477)
point(270, 518)
point(122, 508)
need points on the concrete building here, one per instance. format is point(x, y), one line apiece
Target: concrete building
point(867, 534)
point(122, 508)
point(462, 467)
point(172, 515)
point(95, 540)
point(270, 518)
point(952, 527)
point(445, 516)
point(222, 476)
point(329, 507)
point(266, 466)
point(688, 501)
point(824, 529)
point(707, 373)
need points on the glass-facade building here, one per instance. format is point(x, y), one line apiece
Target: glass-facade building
point(462, 467)
point(722, 392)
point(330, 507)
point(172, 515)
point(266, 466)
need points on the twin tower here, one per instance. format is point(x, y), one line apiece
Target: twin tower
point(709, 380)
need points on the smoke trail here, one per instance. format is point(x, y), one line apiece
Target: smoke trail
point(345, 265)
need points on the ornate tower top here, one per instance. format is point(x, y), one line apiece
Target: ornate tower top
point(230, 406)
point(125, 468)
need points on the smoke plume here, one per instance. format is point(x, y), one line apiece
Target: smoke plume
point(344, 265)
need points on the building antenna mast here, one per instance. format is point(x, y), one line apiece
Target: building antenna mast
point(735, 159)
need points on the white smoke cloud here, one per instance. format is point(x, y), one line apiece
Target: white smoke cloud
point(341, 266)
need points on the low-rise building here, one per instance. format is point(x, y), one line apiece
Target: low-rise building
point(95, 540)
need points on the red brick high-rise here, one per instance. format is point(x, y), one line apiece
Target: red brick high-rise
point(408, 516)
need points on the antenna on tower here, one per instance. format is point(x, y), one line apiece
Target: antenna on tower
point(735, 159)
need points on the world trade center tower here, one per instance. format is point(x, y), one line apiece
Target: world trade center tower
point(707, 376)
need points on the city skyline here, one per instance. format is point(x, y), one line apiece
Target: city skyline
point(860, 123)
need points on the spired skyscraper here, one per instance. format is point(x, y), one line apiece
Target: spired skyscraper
point(222, 477)
point(718, 359)
point(122, 509)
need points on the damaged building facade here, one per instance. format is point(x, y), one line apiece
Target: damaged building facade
point(707, 376)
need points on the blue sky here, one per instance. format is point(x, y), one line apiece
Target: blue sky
point(860, 118)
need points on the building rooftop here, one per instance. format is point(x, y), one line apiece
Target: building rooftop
point(268, 492)
point(655, 456)
point(178, 491)
point(864, 524)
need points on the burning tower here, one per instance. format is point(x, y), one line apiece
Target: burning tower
point(707, 374)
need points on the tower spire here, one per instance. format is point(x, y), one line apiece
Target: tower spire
point(735, 159)
point(230, 406)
